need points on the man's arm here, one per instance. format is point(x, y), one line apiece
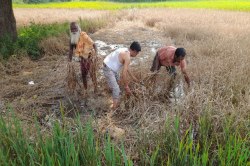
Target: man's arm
point(183, 66)
point(126, 60)
point(187, 79)
point(125, 71)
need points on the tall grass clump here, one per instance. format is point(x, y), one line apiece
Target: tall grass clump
point(81, 145)
point(63, 145)
point(29, 37)
point(92, 25)
point(28, 40)
point(170, 147)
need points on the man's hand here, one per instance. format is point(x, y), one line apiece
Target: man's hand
point(187, 79)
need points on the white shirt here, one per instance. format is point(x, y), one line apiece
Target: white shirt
point(112, 60)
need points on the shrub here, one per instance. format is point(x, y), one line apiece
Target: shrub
point(30, 36)
point(28, 40)
point(7, 47)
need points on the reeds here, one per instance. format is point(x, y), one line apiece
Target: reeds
point(82, 145)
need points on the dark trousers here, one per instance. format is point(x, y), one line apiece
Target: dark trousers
point(171, 70)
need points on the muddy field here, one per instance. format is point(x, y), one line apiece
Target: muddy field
point(217, 43)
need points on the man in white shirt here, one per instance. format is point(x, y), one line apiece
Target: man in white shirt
point(118, 59)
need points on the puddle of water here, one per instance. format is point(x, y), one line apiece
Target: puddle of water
point(102, 53)
point(100, 43)
point(76, 58)
point(154, 44)
point(153, 50)
point(104, 49)
point(177, 93)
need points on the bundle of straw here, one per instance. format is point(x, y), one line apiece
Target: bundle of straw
point(71, 78)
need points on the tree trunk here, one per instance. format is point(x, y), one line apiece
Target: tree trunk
point(7, 20)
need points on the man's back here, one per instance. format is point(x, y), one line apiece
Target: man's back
point(85, 46)
point(112, 60)
point(166, 55)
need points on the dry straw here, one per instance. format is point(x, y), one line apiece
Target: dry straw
point(218, 63)
point(71, 78)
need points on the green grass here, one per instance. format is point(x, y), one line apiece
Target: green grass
point(28, 40)
point(79, 145)
point(101, 5)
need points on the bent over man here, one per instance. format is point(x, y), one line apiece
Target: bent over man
point(111, 68)
point(170, 57)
